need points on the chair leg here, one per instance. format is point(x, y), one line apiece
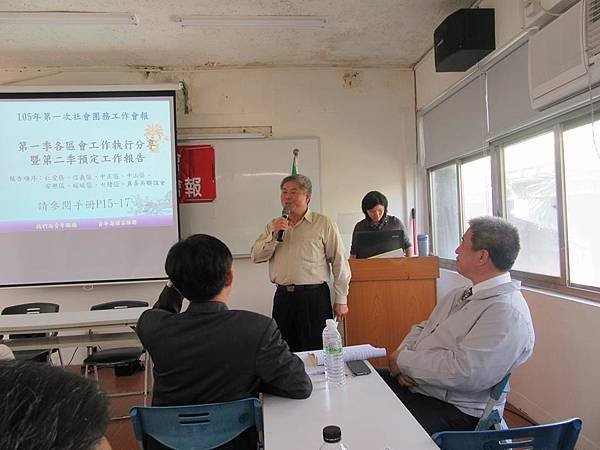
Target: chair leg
point(85, 371)
point(146, 368)
point(62, 365)
point(152, 374)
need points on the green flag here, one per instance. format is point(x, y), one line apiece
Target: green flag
point(295, 162)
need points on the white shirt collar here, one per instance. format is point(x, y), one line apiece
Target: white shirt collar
point(492, 282)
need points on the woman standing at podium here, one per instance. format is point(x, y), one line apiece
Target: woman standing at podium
point(375, 207)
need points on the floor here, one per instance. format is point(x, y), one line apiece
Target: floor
point(120, 433)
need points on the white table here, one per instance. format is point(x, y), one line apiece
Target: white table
point(370, 415)
point(25, 323)
point(85, 321)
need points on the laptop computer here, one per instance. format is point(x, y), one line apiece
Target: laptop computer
point(372, 243)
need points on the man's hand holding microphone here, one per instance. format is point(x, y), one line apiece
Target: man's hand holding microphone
point(281, 224)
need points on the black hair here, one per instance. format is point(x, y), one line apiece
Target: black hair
point(371, 200)
point(499, 237)
point(198, 267)
point(46, 407)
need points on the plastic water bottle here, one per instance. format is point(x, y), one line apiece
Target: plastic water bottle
point(423, 244)
point(333, 351)
point(332, 435)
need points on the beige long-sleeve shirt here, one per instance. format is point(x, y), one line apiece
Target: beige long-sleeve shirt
point(308, 250)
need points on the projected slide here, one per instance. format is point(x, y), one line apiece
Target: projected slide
point(87, 185)
point(73, 164)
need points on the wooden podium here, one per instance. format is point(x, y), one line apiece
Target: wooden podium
point(387, 297)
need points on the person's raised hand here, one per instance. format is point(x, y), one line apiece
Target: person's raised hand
point(280, 224)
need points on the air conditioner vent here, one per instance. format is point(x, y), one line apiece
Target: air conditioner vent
point(564, 56)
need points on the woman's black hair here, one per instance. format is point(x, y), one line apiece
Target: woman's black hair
point(371, 200)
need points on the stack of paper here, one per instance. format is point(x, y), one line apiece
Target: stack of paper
point(351, 353)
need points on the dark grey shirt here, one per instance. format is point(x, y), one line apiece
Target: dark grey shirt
point(388, 223)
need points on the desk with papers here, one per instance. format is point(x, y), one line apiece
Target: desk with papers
point(369, 414)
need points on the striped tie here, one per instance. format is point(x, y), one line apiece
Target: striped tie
point(465, 295)
point(458, 304)
point(461, 301)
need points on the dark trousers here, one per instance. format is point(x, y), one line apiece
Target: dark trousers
point(434, 415)
point(301, 315)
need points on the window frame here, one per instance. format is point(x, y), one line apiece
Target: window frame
point(474, 157)
point(557, 125)
point(531, 278)
point(444, 262)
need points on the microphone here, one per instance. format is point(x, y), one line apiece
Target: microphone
point(285, 213)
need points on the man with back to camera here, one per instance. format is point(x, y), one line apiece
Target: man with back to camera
point(300, 266)
point(209, 353)
point(444, 368)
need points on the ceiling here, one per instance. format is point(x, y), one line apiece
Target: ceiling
point(359, 33)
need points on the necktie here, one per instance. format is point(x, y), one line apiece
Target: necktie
point(461, 301)
point(465, 295)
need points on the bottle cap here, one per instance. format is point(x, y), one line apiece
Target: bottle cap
point(332, 433)
point(330, 323)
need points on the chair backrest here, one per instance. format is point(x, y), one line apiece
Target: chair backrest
point(556, 436)
point(490, 417)
point(196, 426)
point(119, 304)
point(31, 308)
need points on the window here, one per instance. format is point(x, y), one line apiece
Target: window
point(474, 178)
point(445, 212)
point(582, 201)
point(476, 183)
point(546, 182)
point(531, 203)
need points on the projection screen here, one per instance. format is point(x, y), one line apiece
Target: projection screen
point(88, 184)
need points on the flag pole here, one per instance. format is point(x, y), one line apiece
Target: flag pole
point(296, 154)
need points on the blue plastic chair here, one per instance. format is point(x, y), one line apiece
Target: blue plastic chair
point(197, 427)
point(555, 436)
point(490, 417)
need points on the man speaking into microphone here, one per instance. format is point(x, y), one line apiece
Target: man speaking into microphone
point(303, 249)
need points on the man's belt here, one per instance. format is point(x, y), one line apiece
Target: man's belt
point(297, 287)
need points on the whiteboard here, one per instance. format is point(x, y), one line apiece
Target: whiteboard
point(248, 173)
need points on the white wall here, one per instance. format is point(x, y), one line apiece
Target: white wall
point(367, 133)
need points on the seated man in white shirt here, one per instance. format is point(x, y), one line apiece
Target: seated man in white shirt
point(444, 368)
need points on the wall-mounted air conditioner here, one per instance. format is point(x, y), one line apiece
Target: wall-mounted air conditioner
point(537, 13)
point(564, 56)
